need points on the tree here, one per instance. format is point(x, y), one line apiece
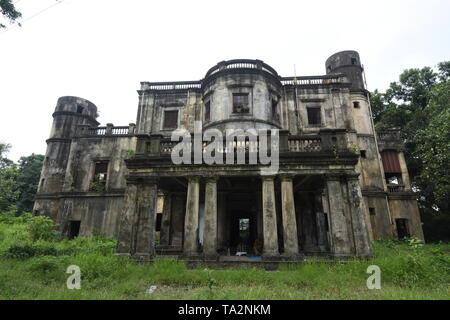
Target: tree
point(28, 181)
point(8, 10)
point(418, 104)
point(433, 149)
point(8, 175)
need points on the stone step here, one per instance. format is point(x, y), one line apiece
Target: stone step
point(169, 250)
point(168, 257)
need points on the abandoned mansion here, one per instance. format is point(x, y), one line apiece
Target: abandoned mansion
point(339, 184)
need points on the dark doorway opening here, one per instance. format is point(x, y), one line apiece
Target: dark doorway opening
point(402, 228)
point(243, 234)
point(74, 229)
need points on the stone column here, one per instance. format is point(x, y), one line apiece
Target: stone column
point(191, 218)
point(147, 195)
point(358, 217)
point(210, 234)
point(127, 219)
point(165, 221)
point(177, 219)
point(338, 224)
point(269, 218)
point(290, 235)
point(222, 230)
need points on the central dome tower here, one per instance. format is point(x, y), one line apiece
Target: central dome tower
point(241, 94)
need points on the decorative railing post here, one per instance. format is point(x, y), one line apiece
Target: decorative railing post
point(109, 129)
point(131, 128)
point(155, 144)
point(142, 144)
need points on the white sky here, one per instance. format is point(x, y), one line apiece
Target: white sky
point(101, 49)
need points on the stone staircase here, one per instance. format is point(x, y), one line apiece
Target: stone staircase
point(168, 251)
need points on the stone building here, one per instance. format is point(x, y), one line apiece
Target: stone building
point(340, 184)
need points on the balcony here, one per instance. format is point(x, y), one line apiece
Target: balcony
point(394, 188)
point(107, 131)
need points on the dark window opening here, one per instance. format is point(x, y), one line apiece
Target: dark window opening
point(158, 222)
point(80, 109)
point(394, 178)
point(329, 68)
point(101, 172)
point(240, 103)
point(42, 182)
point(327, 228)
point(372, 211)
point(356, 104)
point(314, 116)
point(170, 119)
point(36, 213)
point(207, 111)
point(74, 229)
point(402, 228)
point(275, 109)
point(363, 153)
point(354, 61)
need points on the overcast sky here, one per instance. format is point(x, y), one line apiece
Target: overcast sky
point(101, 49)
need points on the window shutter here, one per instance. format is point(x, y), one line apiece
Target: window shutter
point(391, 164)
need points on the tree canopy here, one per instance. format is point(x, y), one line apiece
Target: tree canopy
point(419, 105)
point(9, 11)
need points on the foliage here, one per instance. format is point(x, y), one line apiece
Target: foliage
point(42, 228)
point(433, 148)
point(419, 105)
point(97, 185)
point(8, 10)
point(36, 270)
point(27, 181)
point(9, 192)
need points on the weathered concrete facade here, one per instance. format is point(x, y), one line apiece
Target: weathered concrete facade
point(339, 186)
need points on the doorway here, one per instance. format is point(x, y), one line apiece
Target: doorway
point(402, 228)
point(242, 235)
point(74, 229)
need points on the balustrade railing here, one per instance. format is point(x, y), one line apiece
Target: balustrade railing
point(295, 144)
point(305, 144)
point(108, 130)
point(389, 135)
point(313, 80)
point(396, 188)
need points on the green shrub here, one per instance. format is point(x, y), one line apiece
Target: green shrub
point(42, 228)
point(25, 251)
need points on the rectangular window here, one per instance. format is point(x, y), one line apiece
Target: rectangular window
point(207, 111)
point(372, 211)
point(394, 178)
point(101, 171)
point(275, 109)
point(314, 116)
point(170, 119)
point(240, 103)
point(363, 153)
point(356, 104)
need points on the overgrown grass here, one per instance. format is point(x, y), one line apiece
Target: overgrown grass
point(36, 269)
